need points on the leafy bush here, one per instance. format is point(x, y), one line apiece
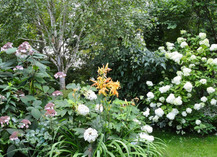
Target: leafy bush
point(188, 101)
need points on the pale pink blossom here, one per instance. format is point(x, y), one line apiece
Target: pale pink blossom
point(59, 75)
point(4, 120)
point(25, 123)
point(49, 106)
point(57, 93)
point(50, 112)
point(7, 46)
point(14, 136)
point(18, 67)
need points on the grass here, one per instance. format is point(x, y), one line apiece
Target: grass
point(188, 145)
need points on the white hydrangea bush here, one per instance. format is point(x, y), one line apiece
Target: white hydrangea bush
point(188, 100)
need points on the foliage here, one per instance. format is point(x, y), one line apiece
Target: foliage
point(188, 101)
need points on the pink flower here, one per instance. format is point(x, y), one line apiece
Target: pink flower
point(4, 119)
point(14, 136)
point(2, 97)
point(57, 93)
point(59, 75)
point(18, 67)
point(25, 123)
point(50, 112)
point(7, 46)
point(24, 49)
point(49, 106)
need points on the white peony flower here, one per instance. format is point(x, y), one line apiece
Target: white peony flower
point(147, 128)
point(202, 35)
point(149, 83)
point(188, 110)
point(205, 42)
point(171, 116)
point(179, 73)
point(213, 47)
point(214, 61)
point(99, 108)
point(164, 89)
point(188, 86)
point(170, 46)
point(183, 44)
point(193, 57)
point(146, 113)
point(175, 111)
point(203, 99)
point(176, 57)
point(161, 99)
point(213, 102)
point(150, 95)
point(170, 99)
point(153, 104)
point(184, 114)
point(83, 110)
point(186, 71)
point(210, 61)
point(90, 95)
point(198, 122)
point(177, 80)
point(159, 112)
point(137, 121)
point(203, 81)
point(90, 135)
point(177, 101)
point(204, 59)
point(197, 106)
point(144, 136)
point(155, 118)
point(210, 90)
point(200, 50)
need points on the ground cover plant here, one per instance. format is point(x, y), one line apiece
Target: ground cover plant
point(186, 102)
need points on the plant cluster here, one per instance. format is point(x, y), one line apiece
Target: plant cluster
point(188, 101)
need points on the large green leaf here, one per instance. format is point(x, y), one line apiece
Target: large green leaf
point(36, 113)
point(11, 150)
point(11, 50)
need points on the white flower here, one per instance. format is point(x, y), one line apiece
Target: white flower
point(159, 112)
point(197, 106)
point(203, 81)
point(169, 45)
point(183, 31)
point(175, 111)
point(161, 99)
point(204, 59)
point(202, 35)
point(171, 115)
point(213, 47)
point(159, 104)
point(150, 95)
point(193, 57)
point(203, 99)
point(170, 123)
point(151, 117)
point(170, 99)
point(178, 127)
point(189, 95)
point(162, 49)
point(191, 65)
point(164, 89)
point(149, 83)
point(210, 61)
point(200, 50)
point(183, 121)
point(90, 135)
point(137, 121)
point(214, 61)
point(90, 95)
point(146, 113)
point(188, 86)
point(205, 42)
point(184, 114)
point(179, 73)
point(188, 110)
point(177, 101)
point(213, 102)
point(186, 71)
point(177, 80)
point(198, 122)
point(153, 104)
point(146, 137)
point(183, 44)
point(176, 57)
point(155, 118)
point(99, 108)
point(210, 90)
point(180, 40)
point(83, 110)
point(147, 128)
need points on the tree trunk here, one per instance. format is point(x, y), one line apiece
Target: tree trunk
point(62, 83)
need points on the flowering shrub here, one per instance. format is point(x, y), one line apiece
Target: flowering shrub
point(188, 101)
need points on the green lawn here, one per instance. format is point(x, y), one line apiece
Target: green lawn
point(188, 145)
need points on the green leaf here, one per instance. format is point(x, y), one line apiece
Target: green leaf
point(11, 50)
point(45, 89)
point(11, 150)
point(27, 98)
point(36, 113)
